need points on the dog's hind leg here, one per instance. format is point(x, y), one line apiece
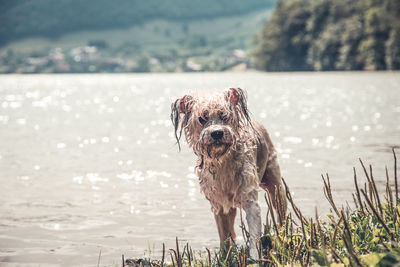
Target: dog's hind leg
point(272, 183)
point(225, 225)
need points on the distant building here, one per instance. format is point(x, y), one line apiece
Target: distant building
point(192, 66)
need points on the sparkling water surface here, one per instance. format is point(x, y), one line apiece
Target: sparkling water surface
point(89, 162)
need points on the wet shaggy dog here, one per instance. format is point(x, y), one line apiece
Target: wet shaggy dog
point(235, 158)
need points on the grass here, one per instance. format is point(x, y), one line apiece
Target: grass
point(366, 234)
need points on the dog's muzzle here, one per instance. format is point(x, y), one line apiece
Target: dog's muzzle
point(216, 141)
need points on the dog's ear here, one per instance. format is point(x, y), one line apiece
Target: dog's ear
point(181, 106)
point(233, 95)
point(238, 101)
point(186, 104)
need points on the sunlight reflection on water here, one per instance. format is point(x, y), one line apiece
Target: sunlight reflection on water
point(97, 152)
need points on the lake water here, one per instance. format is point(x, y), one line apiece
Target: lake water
point(89, 162)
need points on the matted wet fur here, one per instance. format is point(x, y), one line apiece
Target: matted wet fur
point(235, 158)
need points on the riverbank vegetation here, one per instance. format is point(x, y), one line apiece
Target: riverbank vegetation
point(365, 233)
point(330, 35)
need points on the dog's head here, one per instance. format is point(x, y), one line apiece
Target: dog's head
point(212, 123)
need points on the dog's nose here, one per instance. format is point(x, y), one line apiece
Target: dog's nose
point(218, 134)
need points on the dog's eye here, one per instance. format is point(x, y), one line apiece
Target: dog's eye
point(223, 116)
point(202, 121)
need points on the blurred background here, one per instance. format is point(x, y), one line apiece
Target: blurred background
point(70, 36)
point(88, 160)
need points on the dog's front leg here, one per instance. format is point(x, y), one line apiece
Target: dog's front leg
point(226, 230)
point(253, 218)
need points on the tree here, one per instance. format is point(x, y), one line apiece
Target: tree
point(393, 50)
point(330, 35)
point(282, 43)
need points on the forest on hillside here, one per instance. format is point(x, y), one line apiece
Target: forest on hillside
point(49, 18)
point(330, 35)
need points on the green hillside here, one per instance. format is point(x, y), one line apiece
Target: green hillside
point(43, 36)
point(155, 35)
point(331, 35)
point(54, 18)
